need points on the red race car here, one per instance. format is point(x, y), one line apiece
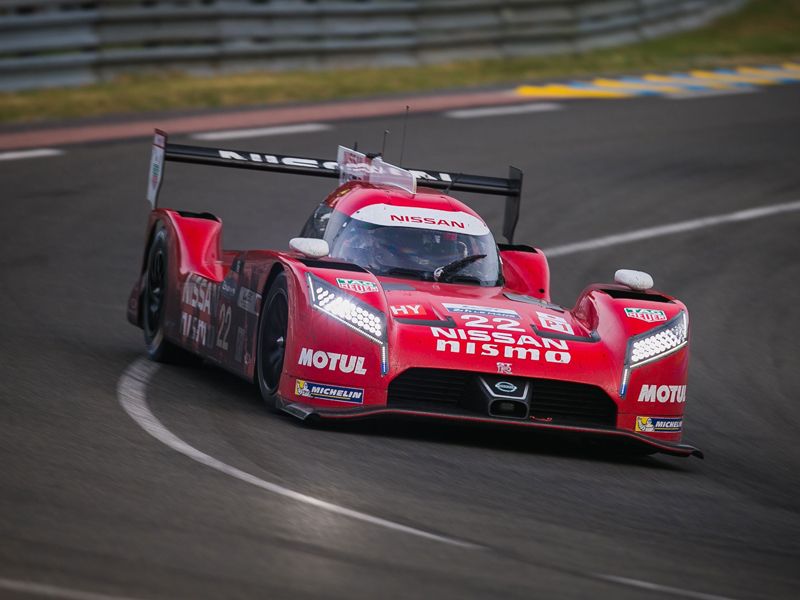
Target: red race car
point(396, 300)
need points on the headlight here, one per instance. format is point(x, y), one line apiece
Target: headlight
point(347, 309)
point(655, 344)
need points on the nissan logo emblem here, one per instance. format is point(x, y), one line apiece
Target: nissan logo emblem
point(505, 386)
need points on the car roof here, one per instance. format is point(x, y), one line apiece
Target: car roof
point(355, 195)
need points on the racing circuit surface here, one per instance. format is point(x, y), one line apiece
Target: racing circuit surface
point(93, 506)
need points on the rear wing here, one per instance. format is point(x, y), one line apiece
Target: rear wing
point(510, 187)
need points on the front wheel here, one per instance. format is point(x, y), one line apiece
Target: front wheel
point(272, 334)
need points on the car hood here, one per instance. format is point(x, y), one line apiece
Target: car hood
point(493, 330)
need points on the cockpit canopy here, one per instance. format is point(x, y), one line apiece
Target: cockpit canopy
point(378, 220)
point(407, 241)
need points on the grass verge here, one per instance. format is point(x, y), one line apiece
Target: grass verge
point(765, 31)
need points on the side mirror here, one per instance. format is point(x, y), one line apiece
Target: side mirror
point(636, 280)
point(311, 247)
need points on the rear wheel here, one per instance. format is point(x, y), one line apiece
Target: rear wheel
point(272, 334)
point(154, 297)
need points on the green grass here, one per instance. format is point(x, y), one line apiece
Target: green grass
point(765, 31)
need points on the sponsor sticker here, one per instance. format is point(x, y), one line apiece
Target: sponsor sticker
point(658, 424)
point(228, 287)
point(504, 368)
point(321, 391)
point(663, 393)
point(248, 300)
point(555, 323)
point(501, 342)
point(332, 361)
point(649, 315)
point(421, 218)
point(408, 310)
point(358, 286)
point(480, 310)
point(197, 293)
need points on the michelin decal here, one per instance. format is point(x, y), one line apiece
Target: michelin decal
point(321, 391)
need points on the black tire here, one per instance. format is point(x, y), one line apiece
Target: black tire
point(154, 297)
point(273, 329)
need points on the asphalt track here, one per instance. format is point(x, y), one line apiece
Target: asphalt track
point(93, 506)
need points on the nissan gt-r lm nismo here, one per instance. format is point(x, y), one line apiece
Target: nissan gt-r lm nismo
point(396, 300)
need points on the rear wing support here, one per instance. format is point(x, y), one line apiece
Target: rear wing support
point(510, 187)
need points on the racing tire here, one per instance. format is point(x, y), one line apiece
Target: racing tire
point(273, 327)
point(154, 297)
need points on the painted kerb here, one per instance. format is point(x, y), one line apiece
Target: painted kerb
point(71, 42)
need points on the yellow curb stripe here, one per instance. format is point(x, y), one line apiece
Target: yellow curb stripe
point(717, 85)
point(565, 91)
point(655, 87)
point(769, 74)
point(731, 78)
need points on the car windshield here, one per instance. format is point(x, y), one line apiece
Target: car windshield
point(414, 252)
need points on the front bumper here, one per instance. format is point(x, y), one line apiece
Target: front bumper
point(305, 412)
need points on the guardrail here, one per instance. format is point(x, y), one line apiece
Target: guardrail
point(71, 42)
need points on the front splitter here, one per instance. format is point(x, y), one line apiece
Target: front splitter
point(305, 411)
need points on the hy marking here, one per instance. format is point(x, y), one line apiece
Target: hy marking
point(132, 395)
point(238, 134)
point(35, 153)
point(680, 227)
point(497, 111)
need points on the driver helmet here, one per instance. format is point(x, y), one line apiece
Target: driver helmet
point(413, 248)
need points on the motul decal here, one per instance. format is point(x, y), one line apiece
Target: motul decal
point(332, 361)
point(663, 393)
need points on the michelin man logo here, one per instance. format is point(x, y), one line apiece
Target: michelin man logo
point(301, 388)
point(644, 424)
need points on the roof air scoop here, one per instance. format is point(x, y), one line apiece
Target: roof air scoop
point(636, 280)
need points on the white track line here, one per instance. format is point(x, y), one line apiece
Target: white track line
point(53, 591)
point(132, 395)
point(236, 134)
point(680, 227)
point(496, 111)
point(35, 153)
point(664, 589)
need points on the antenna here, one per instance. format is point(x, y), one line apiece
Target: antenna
point(355, 145)
point(383, 146)
point(403, 142)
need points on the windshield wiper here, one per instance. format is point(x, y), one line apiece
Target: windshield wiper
point(403, 272)
point(442, 273)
